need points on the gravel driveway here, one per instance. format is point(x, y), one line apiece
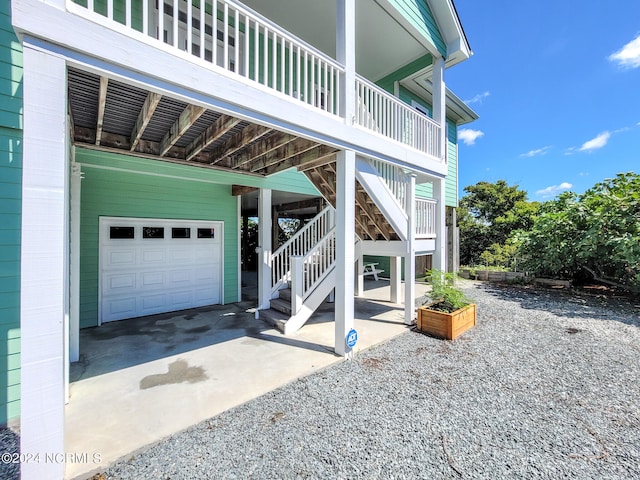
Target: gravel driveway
point(546, 386)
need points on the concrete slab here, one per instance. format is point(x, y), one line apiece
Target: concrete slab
point(139, 381)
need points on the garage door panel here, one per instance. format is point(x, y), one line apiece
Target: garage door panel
point(120, 281)
point(202, 296)
point(153, 303)
point(151, 256)
point(180, 277)
point(152, 280)
point(117, 308)
point(120, 257)
point(181, 300)
point(206, 274)
point(144, 276)
point(181, 256)
point(210, 253)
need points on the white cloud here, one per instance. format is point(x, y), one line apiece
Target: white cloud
point(478, 98)
point(629, 55)
point(469, 136)
point(553, 190)
point(595, 143)
point(537, 151)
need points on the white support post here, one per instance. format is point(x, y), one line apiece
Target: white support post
point(74, 268)
point(410, 258)
point(44, 262)
point(264, 246)
point(297, 277)
point(346, 55)
point(396, 278)
point(440, 253)
point(345, 248)
point(359, 277)
point(439, 104)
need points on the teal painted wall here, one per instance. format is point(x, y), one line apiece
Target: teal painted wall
point(135, 187)
point(10, 214)
point(419, 14)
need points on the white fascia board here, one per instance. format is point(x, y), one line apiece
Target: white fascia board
point(446, 17)
point(113, 51)
point(424, 245)
point(383, 248)
point(397, 248)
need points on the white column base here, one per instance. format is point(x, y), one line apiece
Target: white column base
point(396, 278)
point(345, 249)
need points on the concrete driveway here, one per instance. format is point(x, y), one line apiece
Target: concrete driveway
point(141, 380)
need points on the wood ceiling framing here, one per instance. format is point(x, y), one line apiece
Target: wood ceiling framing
point(113, 116)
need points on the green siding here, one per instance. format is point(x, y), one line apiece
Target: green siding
point(418, 13)
point(451, 182)
point(388, 82)
point(135, 187)
point(10, 215)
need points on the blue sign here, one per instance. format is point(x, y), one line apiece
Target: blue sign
point(352, 338)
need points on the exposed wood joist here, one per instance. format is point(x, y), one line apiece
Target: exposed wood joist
point(241, 190)
point(281, 154)
point(148, 108)
point(102, 103)
point(323, 154)
point(240, 140)
point(213, 132)
point(300, 204)
point(259, 148)
point(318, 162)
point(187, 118)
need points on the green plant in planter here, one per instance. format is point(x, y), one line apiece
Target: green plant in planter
point(444, 296)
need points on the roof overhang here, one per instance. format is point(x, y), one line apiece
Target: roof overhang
point(457, 111)
point(446, 15)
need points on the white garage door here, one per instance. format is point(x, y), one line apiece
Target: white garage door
point(150, 266)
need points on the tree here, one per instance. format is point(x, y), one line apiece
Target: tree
point(487, 216)
point(597, 233)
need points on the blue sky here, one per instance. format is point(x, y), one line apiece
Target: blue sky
point(557, 86)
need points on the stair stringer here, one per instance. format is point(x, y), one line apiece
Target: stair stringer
point(311, 303)
point(377, 189)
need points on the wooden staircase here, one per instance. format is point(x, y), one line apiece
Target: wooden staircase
point(280, 310)
point(371, 224)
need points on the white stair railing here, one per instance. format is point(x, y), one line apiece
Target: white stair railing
point(309, 270)
point(425, 218)
point(299, 245)
point(395, 178)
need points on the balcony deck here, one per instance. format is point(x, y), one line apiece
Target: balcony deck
point(242, 43)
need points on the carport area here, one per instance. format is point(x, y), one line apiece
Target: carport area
point(143, 379)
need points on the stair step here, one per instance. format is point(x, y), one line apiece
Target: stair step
point(281, 305)
point(274, 318)
point(285, 294)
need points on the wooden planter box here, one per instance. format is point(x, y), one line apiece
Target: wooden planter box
point(446, 325)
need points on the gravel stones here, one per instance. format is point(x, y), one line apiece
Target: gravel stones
point(545, 386)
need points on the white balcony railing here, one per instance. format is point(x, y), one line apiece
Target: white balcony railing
point(425, 218)
point(235, 38)
point(381, 112)
point(227, 34)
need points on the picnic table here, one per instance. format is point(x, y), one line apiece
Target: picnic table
point(371, 269)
